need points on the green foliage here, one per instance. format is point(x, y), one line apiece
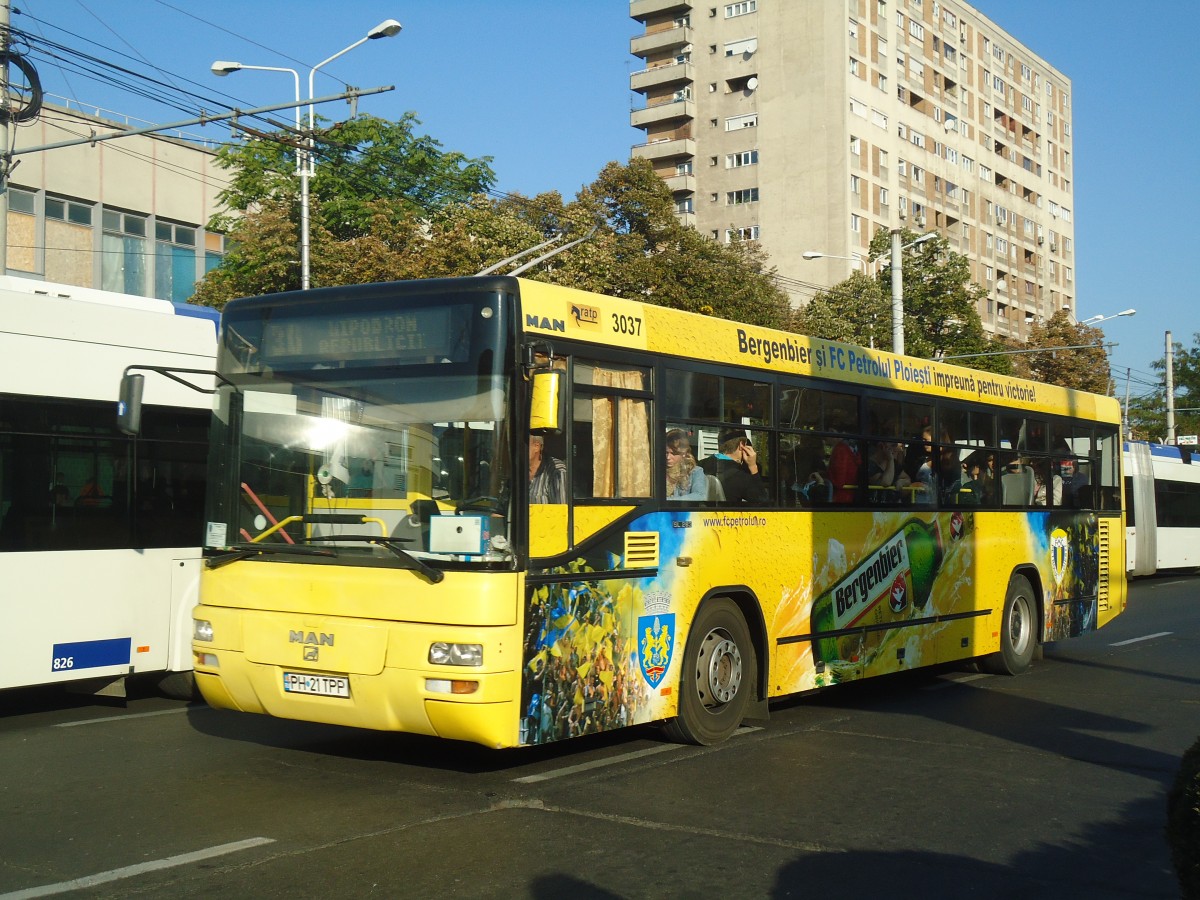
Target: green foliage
point(638, 249)
point(1085, 368)
point(940, 306)
point(1183, 823)
point(1148, 413)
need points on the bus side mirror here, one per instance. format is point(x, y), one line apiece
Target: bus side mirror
point(129, 406)
point(548, 401)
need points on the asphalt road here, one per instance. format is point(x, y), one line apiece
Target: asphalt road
point(947, 784)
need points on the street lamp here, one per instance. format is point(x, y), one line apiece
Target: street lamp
point(305, 162)
point(897, 279)
point(1095, 320)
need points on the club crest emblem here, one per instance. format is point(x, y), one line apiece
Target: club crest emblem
point(1060, 553)
point(656, 645)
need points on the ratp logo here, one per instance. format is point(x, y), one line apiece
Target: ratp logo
point(585, 316)
point(656, 646)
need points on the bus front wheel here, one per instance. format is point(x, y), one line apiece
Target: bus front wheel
point(1018, 637)
point(718, 676)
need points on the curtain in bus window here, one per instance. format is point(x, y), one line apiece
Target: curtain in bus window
point(621, 431)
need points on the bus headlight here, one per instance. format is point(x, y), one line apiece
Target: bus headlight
point(444, 654)
point(202, 630)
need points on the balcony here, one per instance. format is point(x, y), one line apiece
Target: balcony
point(660, 41)
point(641, 10)
point(666, 149)
point(663, 112)
point(680, 184)
point(662, 76)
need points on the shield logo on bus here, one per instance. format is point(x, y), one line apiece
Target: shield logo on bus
point(1060, 552)
point(655, 646)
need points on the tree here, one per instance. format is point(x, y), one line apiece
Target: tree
point(1148, 413)
point(1083, 367)
point(940, 305)
point(375, 183)
point(638, 249)
point(854, 311)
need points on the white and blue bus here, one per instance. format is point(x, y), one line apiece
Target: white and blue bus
point(99, 532)
point(1162, 490)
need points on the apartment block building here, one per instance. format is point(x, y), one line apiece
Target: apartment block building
point(127, 215)
point(808, 125)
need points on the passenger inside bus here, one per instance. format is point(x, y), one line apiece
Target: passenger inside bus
point(685, 479)
point(735, 464)
point(547, 474)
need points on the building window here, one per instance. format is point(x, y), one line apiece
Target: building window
point(854, 66)
point(878, 118)
point(749, 233)
point(174, 261)
point(125, 249)
point(855, 145)
point(21, 201)
point(883, 196)
point(733, 123)
point(745, 158)
point(855, 184)
point(684, 206)
point(740, 9)
point(858, 108)
point(68, 211)
point(856, 224)
point(737, 198)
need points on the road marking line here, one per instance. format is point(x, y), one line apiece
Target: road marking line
point(610, 761)
point(140, 869)
point(145, 715)
point(1147, 637)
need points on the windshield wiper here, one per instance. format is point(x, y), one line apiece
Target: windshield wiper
point(393, 544)
point(245, 551)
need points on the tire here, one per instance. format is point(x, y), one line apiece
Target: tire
point(717, 676)
point(179, 686)
point(1018, 632)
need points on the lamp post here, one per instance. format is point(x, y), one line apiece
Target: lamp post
point(305, 162)
point(1096, 320)
point(896, 253)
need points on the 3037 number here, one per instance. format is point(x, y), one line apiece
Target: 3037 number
point(626, 324)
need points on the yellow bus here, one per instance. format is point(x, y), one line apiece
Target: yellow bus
point(507, 512)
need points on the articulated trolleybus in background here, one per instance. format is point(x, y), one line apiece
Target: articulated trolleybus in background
point(445, 507)
point(99, 533)
point(1162, 495)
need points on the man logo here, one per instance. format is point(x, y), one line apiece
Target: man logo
point(311, 654)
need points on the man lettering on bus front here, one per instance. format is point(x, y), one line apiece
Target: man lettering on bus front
point(736, 465)
point(547, 475)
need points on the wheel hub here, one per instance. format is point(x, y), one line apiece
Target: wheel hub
point(720, 669)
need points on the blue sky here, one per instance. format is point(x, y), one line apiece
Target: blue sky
point(542, 87)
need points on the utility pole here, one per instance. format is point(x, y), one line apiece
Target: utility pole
point(1170, 391)
point(897, 295)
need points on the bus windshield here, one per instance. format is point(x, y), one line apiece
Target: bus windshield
point(379, 435)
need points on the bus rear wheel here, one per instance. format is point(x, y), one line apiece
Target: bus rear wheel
point(1018, 637)
point(718, 676)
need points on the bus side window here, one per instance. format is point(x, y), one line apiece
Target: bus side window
point(611, 435)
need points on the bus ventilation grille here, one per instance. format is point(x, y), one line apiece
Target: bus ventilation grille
point(1104, 535)
point(641, 549)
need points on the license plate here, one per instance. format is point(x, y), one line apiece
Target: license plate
point(318, 685)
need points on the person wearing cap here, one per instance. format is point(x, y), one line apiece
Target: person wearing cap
point(736, 465)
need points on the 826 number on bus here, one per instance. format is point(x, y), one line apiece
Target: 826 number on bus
point(626, 324)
